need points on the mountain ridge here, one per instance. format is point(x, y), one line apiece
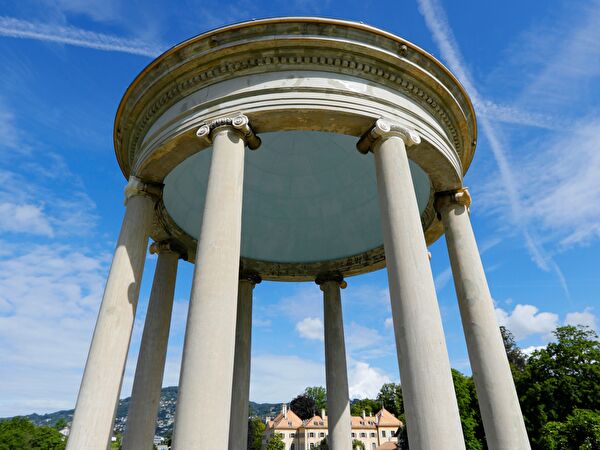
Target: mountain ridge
point(166, 413)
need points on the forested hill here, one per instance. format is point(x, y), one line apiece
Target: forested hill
point(166, 413)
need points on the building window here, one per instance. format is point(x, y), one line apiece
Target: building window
point(321, 434)
point(363, 434)
point(373, 445)
point(292, 435)
point(382, 433)
point(353, 434)
point(293, 447)
point(393, 433)
point(311, 434)
point(312, 445)
point(373, 435)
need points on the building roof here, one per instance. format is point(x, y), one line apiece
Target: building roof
point(366, 422)
point(281, 422)
point(383, 418)
point(387, 419)
point(315, 422)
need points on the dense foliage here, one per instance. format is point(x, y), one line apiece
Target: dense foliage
point(275, 442)
point(468, 408)
point(390, 397)
point(256, 427)
point(357, 445)
point(516, 357)
point(304, 406)
point(581, 431)
point(319, 395)
point(367, 405)
point(558, 380)
point(19, 433)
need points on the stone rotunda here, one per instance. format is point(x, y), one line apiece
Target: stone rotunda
point(292, 149)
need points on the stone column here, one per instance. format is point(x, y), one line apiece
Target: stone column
point(101, 383)
point(431, 409)
point(338, 400)
point(145, 395)
point(204, 400)
point(238, 427)
point(498, 401)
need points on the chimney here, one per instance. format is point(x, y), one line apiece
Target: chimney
point(323, 414)
point(284, 410)
point(364, 415)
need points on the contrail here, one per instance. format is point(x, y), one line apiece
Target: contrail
point(22, 29)
point(438, 25)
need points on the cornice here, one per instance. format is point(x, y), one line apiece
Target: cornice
point(216, 60)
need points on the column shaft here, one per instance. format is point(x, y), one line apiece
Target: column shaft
point(204, 400)
point(431, 409)
point(101, 384)
point(238, 427)
point(498, 401)
point(145, 396)
point(338, 399)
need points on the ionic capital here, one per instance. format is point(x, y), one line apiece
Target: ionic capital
point(458, 197)
point(334, 277)
point(135, 186)
point(238, 122)
point(384, 129)
point(162, 247)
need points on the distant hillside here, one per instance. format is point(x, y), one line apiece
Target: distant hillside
point(166, 412)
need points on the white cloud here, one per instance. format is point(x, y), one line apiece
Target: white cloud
point(526, 320)
point(280, 378)
point(437, 22)
point(532, 348)
point(514, 115)
point(18, 28)
point(365, 381)
point(555, 84)
point(310, 328)
point(98, 10)
point(586, 318)
point(49, 296)
point(365, 344)
point(388, 323)
point(563, 189)
point(303, 302)
point(256, 322)
point(24, 218)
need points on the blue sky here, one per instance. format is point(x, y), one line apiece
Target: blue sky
point(533, 72)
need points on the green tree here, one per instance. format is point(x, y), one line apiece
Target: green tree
point(19, 433)
point(118, 443)
point(319, 396)
point(390, 396)
point(275, 442)
point(256, 428)
point(60, 424)
point(581, 431)
point(470, 419)
point(516, 357)
point(367, 405)
point(323, 445)
point(303, 406)
point(357, 445)
point(559, 379)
